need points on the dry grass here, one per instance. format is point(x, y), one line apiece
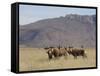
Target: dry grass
point(37, 59)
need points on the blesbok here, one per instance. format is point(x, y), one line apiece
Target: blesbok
point(56, 52)
point(76, 52)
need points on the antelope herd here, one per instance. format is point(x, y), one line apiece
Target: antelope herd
point(55, 52)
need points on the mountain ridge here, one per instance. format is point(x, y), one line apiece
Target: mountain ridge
point(66, 30)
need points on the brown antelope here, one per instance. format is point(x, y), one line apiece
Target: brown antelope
point(76, 52)
point(56, 52)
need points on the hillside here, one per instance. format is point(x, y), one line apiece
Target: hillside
point(71, 29)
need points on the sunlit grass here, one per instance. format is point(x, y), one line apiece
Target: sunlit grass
point(37, 59)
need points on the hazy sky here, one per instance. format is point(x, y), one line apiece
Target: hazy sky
point(32, 13)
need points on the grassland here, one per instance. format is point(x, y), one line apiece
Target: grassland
point(37, 59)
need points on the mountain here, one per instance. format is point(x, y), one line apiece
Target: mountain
point(71, 29)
